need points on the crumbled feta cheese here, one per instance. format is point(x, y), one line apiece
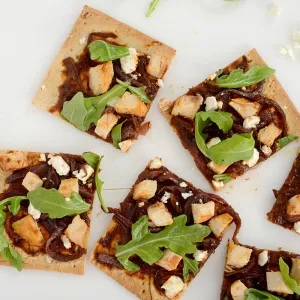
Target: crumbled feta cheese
point(42, 157)
point(200, 255)
point(160, 83)
point(275, 9)
point(217, 184)
point(129, 63)
point(177, 203)
point(244, 88)
point(287, 51)
point(67, 199)
point(211, 103)
point(141, 204)
point(251, 122)
point(213, 141)
point(253, 160)
point(187, 195)
point(156, 163)
point(266, 150)
point(183, 184)
point(173, 286)
point(220, 104)
point(66, 242)
point(297, 226)
point(263, 257)
point(85, 173)
point(36, 214)
point(58, 163)
point(134, 76)
point(43, 87)
point(165, 197)
point(83, 41)
point(211, 76)
point(296, 39)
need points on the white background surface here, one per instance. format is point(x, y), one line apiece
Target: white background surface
point(208, 34)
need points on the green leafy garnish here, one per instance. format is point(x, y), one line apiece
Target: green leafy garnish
point(152, 7)
point(103, 51)
point(222, 119)
point(238, 79)
point(139, 92)
point(189, 264)
point(223, 177)
point(94, 160)
point(177, 237)
point(116, 134)
point(285, 272)
point(55, 205)
point(286, 140)
point(254, 294)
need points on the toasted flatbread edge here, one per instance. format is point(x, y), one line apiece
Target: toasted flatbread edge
point(38, 262)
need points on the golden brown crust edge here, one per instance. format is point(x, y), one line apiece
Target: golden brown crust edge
point(38, 262)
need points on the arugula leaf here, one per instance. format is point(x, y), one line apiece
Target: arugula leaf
point(285, 272)
point(3, 243)
point(91, 158)
point(254, 294)
point(55, 205)
point(140, 92)
point(223, 177)
point(238, 147)
point(15, 204)
point(222, 119)
point(103, 51)
point(238, 79)
point(177, 237)
point(285, 140)
point(200, 137)
point(152, 7)
point(116, 134)
point(189, 264)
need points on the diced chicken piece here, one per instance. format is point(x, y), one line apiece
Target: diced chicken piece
point(125, 145)
point(212, 142)
point(218, 185)
point(237, 290)
point(145, 190)
point(217, 168)
point(16, 160)
point(253, 160)
point(100, 77)
point(85, 173)
point(165, 104)
point(77, 232)
point(293, 206)
point(297, 226)
point(157, 65)
point(266, 150)
point(187, 106)
point(237, 256)
point(200, 255)
point(35, 213)
point(132, 105)
point(244, 107)
point(43, 157)
point(32, 182)
point(105, 124)
point(169, 261)
point(173, 286)
point(28, 230)
point(203, 212)
point(295, 271)
point(159, 214)
point(130, 62)
point(263, 258)
point(59, 164)
point(276, 284)
point(155, 164)
point(67, 186)
point(211, 103)
point(219, 223)
point(251, 122)
point(268, 134)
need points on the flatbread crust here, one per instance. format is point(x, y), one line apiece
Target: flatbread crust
point(40, 261)
point(91, 20)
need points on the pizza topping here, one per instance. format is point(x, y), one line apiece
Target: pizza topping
point(276, 283)
point(183, 184)
point(266, 150)
point(67, 186)
point(42, 157)
point(253, 160)
point(293, 206)
point(59, 164)
point(32, 181)
point(77, 232)
point(36, 214)
point(125, 145)
point(237, 256)
point(216, 168)
point(218, 185)
point(84, 173)
point(132, 105)
point(295, 271)
point(100, 78)
point(169, 261)
point(213, 141)
point(160, 83)
point(211, 103)
point(297, 226)
point(165, 197)
point(165, 104)
point(105, 124)
point(263, 258)
point(219, 223)
point(66, 242)
point(251, 122)
point(203, 212)
point(156, 163)
point(268, 134)
point(159, 214)
point(186, 195)
point(244, 107)
point(220, 104)
point(200, 255)
point(173, 286)
point(187, 106)
point(237, 290)
point(129, 63)
point(145, 190)
point(157, 66)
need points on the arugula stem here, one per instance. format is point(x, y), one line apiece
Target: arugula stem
point(151, 8)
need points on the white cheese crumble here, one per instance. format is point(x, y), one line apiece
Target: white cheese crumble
point(266, 150)
point(275, 9)
point(165, 197)
point(67, 199)
point(186, 195)
point(253, 160)
point(287, 51)
point(160, 83)
point(36, 214)
point(183, 184)
point(251, 122)
point(211, 103)
point(134, 76)
point(43, 87)
point(211, 76)
point(58, 163)
point(129, 63)
point(263, 258)
point(66, 242)
point(141, 204)
point(200, 255)
point(85, 173)
point(42, 157)
point(220, 104)
point(213, 141)
point(297, 226)
point(217, 184)
point(83, 41)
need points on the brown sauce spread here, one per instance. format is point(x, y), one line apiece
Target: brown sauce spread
point(130, 212)
point(76, 79)
point(254, 276)
point(51, 229)
point(290, 188)
point(270, 112)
